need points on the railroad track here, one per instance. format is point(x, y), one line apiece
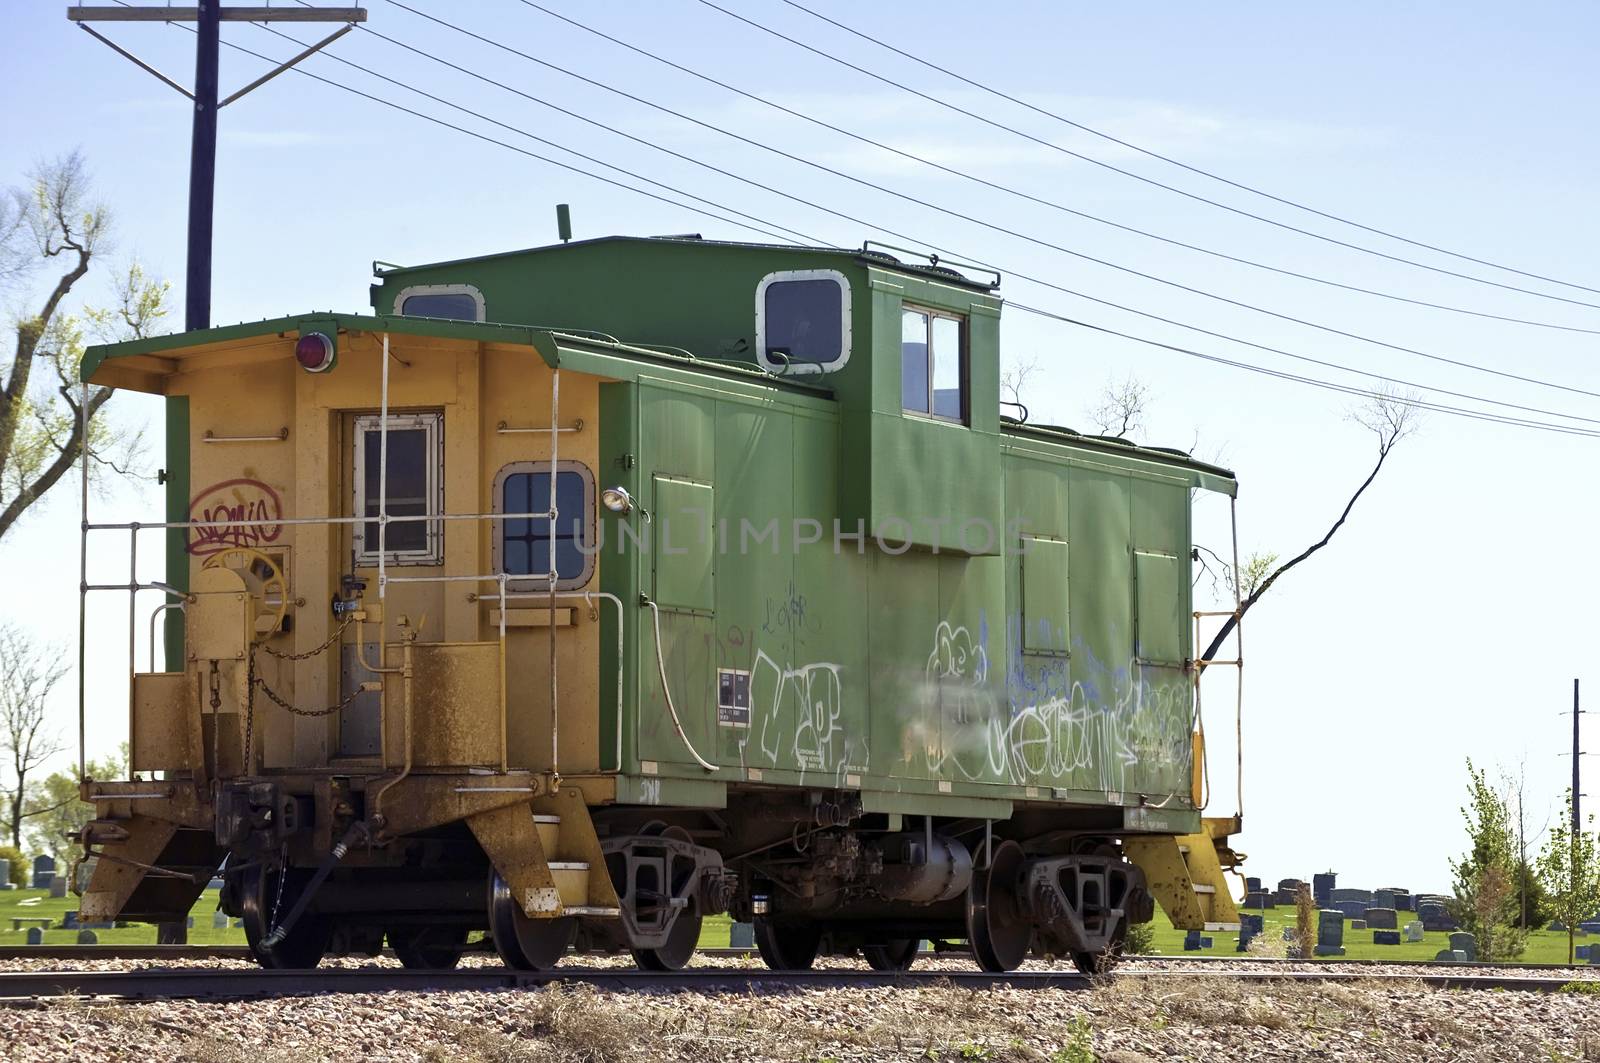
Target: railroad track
point(179, 983)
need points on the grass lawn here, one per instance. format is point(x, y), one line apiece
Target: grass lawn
point(1543, 946)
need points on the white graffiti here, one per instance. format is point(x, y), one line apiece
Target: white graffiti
point(1052, 726)
point(803, 705)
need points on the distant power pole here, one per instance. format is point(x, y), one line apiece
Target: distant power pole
point(1577, 756)
point(208, 18)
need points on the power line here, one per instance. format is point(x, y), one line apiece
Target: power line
point(1039, 200)
point(991, 90)
point(1149, 180)
point(913, 199)
point(1344, 389)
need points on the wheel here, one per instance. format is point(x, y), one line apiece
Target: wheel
point(428, 948)
point(684, 937)
point(523, 943)
point(996, 928)
point(897, 955)
point(265, 894)
point(786, 946)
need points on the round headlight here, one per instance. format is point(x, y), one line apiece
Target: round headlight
point(616, 499)
point(314, 352)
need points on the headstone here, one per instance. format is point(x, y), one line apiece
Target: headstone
point(1257, 900)
point(1581, 953)
point(87, 937)
point(1402, 901)
point(1330, 927)
point(1358, 924)
point(1341, 895)
point(189, 925)
point(58, 886)
point(1466, 943)
point(44, 869)
point(1449, 956)
point(1435, 917)
point(1591, 925)
point(35, 936)
point(5, 870)
point(69, 921)
point(238, 924)
point(1246, 932)
point(1382, 919)
point(1594, 954)
point(172, 934)
point(1291, 886)
point(1382, 899)
point(1254, 922)
point(1281, 898)
point(219, 921)
point(1322, 887)
point(1558, 926)
point(8, 885)
point(1289, 933)
point(1191, 941)
point(1206, 943)
point(1386, 937)
point(1352, 909)
point(1252, 885)
point(1412, 931)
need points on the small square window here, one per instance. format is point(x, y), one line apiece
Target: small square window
point(415, 488)
point(803, 321)
point(933, 364)
point(522, 547)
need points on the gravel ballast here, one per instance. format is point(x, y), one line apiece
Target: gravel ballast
point(1129, 1019)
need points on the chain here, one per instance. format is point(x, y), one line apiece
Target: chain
point(250, 715)
point(331, 639)
point(254, 681)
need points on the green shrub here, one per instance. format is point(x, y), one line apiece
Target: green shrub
point(19, 865)
point(1141, 939)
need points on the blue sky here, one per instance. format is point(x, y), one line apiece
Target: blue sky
point(1448, 618)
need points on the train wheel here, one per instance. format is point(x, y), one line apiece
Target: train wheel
point(684, 937)
point(996, 928)
point(897, 955)
point(264, 895)
point(786, 946)
point(428, 948)
point(1103, 961)
point(523, 943)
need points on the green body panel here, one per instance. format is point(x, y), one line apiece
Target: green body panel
point(177, 545)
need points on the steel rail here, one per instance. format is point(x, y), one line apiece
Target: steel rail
point(213, 984)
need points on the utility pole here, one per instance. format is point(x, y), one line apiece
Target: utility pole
point(1577, 754)
point(207, 18)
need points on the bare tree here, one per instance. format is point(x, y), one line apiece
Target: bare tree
point(28, 673)
point(1122, 408)
point(1390, 418)
point(1014, 381)
point(53, 225)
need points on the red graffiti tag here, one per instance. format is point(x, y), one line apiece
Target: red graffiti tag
point(234, 502)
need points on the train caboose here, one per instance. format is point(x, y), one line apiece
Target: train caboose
point(581, 592)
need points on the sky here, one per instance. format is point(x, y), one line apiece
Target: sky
point(1448, 618)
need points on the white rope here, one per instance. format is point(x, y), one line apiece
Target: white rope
point(661, 664)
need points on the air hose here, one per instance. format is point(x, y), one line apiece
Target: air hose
point(278, 933)
point(661, 666)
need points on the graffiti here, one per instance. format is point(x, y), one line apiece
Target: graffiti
point(236, 503)
point(1073, 722)
point(803, 706)
point(786, 615)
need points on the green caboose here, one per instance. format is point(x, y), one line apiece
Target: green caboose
point(667, 577)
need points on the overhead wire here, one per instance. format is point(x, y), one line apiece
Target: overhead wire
point(1445, 359)
point(1051, 145)
point(1040, 200)
point(1212, 175)
point(1404, 400)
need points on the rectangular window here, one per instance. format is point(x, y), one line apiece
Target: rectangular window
point(933, 364)
point(453, 302)
point(415, 488)
point(523, 545)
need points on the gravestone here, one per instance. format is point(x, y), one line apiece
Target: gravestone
point(238, 924)
point(1206, 943)
point(1322, 887)
point(1402, 899)
point(1382, 899)
point(1358, 924)
point(1558, 926)
point(1256, 923)
point(1246, 932)
point(5, 870)
point(35, 936)
point(1591, 925)
point(1449, 956)
point(1412, 931)
point(87, 937)
point(1434, 917)
point(1594, 954)
point(1330, 932)
point(1252, 885)
point(1386, 937)
point(190, 924)
point(1466, 943)
point(58, 886)
point(1257, 900)
point(1340, 895)
point(1351, 909)
point(1382, 919)
point(1191, 941)
point(1281, 898)
point(219, 921)
point(1291, 886)
point(1581, 952)
point(69, 921)
point(1289, 933)
point(44, 870)
point(214, 884)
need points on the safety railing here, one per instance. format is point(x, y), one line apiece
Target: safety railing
point(1236, 615)
point(134, 587)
